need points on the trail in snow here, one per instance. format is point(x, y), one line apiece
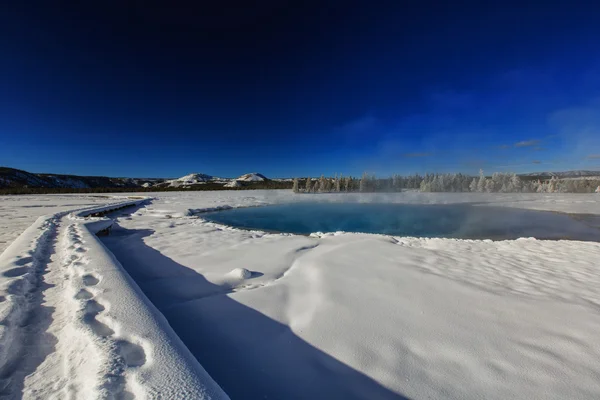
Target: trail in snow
point(55, 345)
point(55, 341)
point(118, 354)
point(95, 361)
point(74, 325)
point(25, 338)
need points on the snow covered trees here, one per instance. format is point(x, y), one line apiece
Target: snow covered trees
point(515, 184)
point(295, 188)
point(499, 182)
point(481, 182)
point(473, 185)
point(363, 183)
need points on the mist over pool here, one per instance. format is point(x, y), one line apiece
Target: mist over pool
point(447, 221)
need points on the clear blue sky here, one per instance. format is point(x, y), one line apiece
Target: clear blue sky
point(317, 87)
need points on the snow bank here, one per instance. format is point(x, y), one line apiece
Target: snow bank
point(154, 357)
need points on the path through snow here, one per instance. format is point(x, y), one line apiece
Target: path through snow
point(65, 332)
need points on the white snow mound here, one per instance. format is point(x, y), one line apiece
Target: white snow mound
point(240, 273)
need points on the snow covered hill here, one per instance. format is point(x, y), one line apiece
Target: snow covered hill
point(15, 178)
point(14, 181)
point(188, 180)
point(202, 179)
point(252, 177)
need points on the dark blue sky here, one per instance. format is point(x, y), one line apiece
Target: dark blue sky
point(299, 88)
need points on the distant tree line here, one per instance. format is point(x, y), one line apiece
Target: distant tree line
point(497, 183)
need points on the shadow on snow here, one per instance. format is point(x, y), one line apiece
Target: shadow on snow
point(250, 355)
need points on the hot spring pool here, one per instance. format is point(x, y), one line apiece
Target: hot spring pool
point(448, 221)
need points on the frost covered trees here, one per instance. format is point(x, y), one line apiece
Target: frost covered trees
point(498, 182)
point(295, 188)
point(515, 184)
point(322, 184)
point(363, 183)
point(473, 185)
point(481, 182)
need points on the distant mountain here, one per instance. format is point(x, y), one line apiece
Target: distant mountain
point(195, 179)
point(11, 178)
point(188, 180)
point(252, 177)
point(564, 174)
point(16, 178)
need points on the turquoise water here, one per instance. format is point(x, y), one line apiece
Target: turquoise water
point(450, 221)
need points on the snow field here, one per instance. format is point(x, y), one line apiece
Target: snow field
point(333, 315)
point(371, 316)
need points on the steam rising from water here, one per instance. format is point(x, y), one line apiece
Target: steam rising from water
point(451, 220)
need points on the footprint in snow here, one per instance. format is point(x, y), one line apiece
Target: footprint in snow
point(83, 295)
point(133, 354)
point(92, 309)
point(90, 280)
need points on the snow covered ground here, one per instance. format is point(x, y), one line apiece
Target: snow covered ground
point(284, 316)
